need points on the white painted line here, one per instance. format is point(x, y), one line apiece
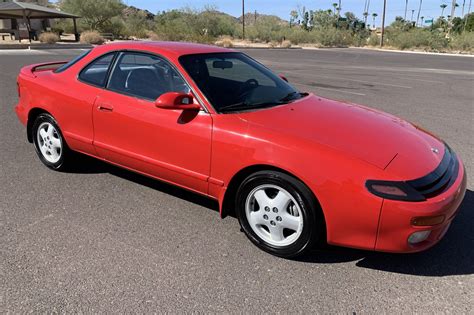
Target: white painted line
point(411, 52)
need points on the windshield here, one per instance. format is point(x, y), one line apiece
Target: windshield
point(235, 82)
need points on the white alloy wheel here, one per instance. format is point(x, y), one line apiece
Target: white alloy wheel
point(49, 142)
point(274, 215)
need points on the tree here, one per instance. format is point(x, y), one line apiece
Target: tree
point(374, 15)
point(365, 14)
point(443, 6)
point(323, 19)
point(293, 17)
point(418, 15)
point(95, 14)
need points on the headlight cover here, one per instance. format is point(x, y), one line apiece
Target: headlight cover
point(394, 190)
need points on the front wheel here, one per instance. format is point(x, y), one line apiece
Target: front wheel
point(278, 213)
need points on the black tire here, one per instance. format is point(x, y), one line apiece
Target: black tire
point(311, 213)
point(65, 154)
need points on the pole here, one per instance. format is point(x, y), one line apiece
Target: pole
point(243, 19)
point(76, 35)
point(406, 8)
point(383, 22)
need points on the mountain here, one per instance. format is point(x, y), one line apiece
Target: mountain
point(133, 10)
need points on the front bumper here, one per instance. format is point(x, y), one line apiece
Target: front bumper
point(395, 225)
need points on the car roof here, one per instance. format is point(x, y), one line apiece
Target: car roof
point(175, 49)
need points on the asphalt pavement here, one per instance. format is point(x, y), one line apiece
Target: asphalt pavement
point(103, 239)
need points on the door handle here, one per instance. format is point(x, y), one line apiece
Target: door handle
point(105, 107)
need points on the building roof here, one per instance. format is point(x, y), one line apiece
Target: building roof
point(15, 9)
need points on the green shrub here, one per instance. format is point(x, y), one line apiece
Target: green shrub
point(333, 37)
point(417, 38)
point(374, 40)
point(92, 37)
point(463, 42)
point(48, 38)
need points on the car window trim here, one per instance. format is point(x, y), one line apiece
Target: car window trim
point(112, 62)
point(112, 66)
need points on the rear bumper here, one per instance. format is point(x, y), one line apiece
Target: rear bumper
point(395, 225)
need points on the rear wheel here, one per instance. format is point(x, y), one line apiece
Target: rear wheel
point(278, 213)
point(49, 142)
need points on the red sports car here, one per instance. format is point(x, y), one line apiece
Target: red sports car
point(295, 168)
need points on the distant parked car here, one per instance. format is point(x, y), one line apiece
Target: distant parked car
point(295, 167)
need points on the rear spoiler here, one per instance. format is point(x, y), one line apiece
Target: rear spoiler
point(31, 69)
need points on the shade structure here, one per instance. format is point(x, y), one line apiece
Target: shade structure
point(29, 11)
point(19, 10)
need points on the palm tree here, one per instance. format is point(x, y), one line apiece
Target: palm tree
point(422, 19)
point(443, 6)
point(365, 14)
point(419, 10)
point(374, 15)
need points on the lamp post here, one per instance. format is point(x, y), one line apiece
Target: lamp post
point(243, 19)
point(383, 22)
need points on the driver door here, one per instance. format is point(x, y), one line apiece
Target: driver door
point(129, 130)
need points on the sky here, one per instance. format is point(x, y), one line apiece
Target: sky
point(282, 8)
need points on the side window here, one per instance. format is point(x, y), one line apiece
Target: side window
point(145, 76)
point(96, 72)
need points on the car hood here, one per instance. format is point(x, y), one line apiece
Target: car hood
point(367, 134)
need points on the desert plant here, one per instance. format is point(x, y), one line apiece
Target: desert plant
point(224, 41)
point(333, 37)
point(374, 40)
point(273, 44)
point(463, 42)
point(49, 38)
point(92, 37)
point(286, 44)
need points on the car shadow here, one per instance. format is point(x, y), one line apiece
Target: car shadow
point(88, 165)
point(453, 255)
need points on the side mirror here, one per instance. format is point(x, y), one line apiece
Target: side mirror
point(176, 100)
point(283, 77)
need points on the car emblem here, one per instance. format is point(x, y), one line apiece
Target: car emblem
point(434, 150)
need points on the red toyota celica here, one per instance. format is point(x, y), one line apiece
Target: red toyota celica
point(296, 168)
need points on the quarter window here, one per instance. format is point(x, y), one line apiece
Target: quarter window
point(96, 72)
point(145, 76)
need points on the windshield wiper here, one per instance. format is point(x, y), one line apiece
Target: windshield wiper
point(291, 96)
point(246, 106)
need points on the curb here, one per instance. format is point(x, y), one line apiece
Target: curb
point(42, 46)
